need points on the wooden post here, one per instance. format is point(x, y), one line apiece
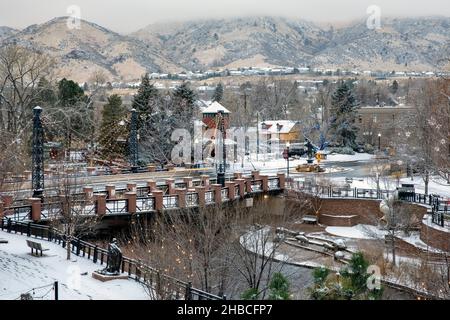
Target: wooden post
point(201, 195)
point(158, 194)
point(100, 204)
point(36, 209)
point(131, 202)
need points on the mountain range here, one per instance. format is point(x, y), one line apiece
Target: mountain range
point(419, 44)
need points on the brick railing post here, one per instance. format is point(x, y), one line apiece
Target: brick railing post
point(100, 200)
point(188, 182)
point(248, 184)
point(170, 186)
point(2, 213)
point(158, 194)
point(217, 193)
point(282, 179)
point(265, 182)
point(90, 171)
point(36, 209)
point(111, 191)
point(27, 174)
point(151, 185)
point(255, 175)
point(88, 193)
point(201, 195)
point(230, 185)
point(131, 202)
point(241, 184)
point(181, 197)
point(7, 200)
point(131, 187)
point(205, 181)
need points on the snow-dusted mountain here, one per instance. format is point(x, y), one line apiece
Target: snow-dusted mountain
point(420, 44)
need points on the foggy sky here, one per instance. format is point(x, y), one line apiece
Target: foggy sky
point(126, 16)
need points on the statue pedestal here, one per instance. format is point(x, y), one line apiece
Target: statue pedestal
point(105, 277)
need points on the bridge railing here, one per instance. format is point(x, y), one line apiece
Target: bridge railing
point(145, 204)
point(257, 186)
point(191, 200)
point(225, 194)
point(209, 197)
point(170, 202)
point(274, 183)
point(116, 206)
point(19, 213)
point(173, 288)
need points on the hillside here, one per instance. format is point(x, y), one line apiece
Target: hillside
point(80, 52)
point(419, 44)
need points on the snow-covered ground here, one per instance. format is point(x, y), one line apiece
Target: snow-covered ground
point(363, 231)
point(21, 272)
point(436, 185)
point(274, 161)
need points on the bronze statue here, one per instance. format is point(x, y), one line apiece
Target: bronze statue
point(114, 259)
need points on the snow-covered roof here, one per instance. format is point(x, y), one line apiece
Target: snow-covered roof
point(216, 107)
point(278, 126)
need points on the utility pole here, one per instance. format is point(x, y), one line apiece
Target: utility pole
point(38, 155)
point(133, 141)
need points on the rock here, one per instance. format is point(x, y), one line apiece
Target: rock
point(340, 244)
point(338, 255)
point(302, 239)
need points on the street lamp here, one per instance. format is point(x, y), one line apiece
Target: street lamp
point(379, 142)
point(288, 144)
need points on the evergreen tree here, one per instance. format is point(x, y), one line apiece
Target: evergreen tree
point(279, 287)
point(113, 130)
point(218, 93)
point(46, 96)
point(183, 100)
point(70, 93)
point(344, 111)
point(349, 284)
point(145, 100)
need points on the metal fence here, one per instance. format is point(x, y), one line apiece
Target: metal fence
point(439, 205)
point(172, 288)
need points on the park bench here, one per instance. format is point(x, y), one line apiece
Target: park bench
point(309, 219)
point(36, 246)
